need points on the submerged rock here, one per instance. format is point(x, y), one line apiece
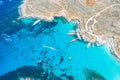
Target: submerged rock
point(29, 73)
point(92, 75)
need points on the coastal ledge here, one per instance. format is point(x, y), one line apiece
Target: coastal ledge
point(99, 20)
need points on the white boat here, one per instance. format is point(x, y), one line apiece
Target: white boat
point(37, 21)
point(88, 45)
point(71, 33)
point(49, 47)
point(78, 35)
point(73, 40)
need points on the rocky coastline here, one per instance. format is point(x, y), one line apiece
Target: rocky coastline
point(99, 20)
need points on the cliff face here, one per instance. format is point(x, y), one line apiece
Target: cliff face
point(100, 19)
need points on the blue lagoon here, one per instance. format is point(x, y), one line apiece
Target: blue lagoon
point(44, 51)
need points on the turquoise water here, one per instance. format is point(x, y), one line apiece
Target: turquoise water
point(28, 48)
point(46, 50)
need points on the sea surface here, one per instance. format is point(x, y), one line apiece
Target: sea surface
point(44, 51)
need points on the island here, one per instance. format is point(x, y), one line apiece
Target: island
point(98, 20)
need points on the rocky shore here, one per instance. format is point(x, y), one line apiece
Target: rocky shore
point(99, 19)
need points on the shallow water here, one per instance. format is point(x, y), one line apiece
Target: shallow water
point(48, 42)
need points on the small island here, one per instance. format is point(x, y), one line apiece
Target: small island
point(99, 20)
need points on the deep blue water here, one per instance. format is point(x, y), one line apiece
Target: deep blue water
point(48, 42)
